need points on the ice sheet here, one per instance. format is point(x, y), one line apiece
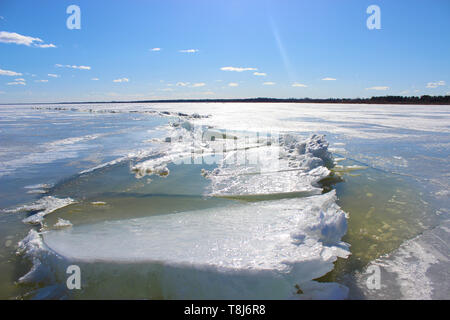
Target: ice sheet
point(223, 252)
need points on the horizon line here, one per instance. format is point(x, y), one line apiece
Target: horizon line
point(373, 99)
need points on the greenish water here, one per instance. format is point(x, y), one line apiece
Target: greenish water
point(384, 210)
point(113, 193)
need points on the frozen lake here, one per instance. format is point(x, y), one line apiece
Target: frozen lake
point(225, 200)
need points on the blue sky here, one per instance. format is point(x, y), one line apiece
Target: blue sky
point(221, 49)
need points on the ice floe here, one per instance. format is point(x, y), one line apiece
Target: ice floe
point(40, 208)
point(262, 250)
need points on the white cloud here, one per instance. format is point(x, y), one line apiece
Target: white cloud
point(233, 84)
point(53, 75)
point(435, 84)
point(237, 69)
point(14, 83)
point(165, 89)
point(378, 88)
point(13, 37)
point(189, 50)
point(9, 73)
point(79, 67)
point(295, 84)
point(188, 84)
point(20, 79)
point(73, 66)
point(269, 83)
point(328, 79)
point(121, 80)
point(50, 45)
point(261, 74)
point(155, 49)
point(199, 84)
point(41, 80)
point(95, 79)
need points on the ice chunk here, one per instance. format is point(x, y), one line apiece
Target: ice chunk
point(256, 250)
point(43, 206)
point(61, 223)
point(293, 166)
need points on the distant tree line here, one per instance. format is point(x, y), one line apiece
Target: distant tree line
point(425, 99)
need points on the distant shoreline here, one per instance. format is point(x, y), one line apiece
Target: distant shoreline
point(422, 100)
